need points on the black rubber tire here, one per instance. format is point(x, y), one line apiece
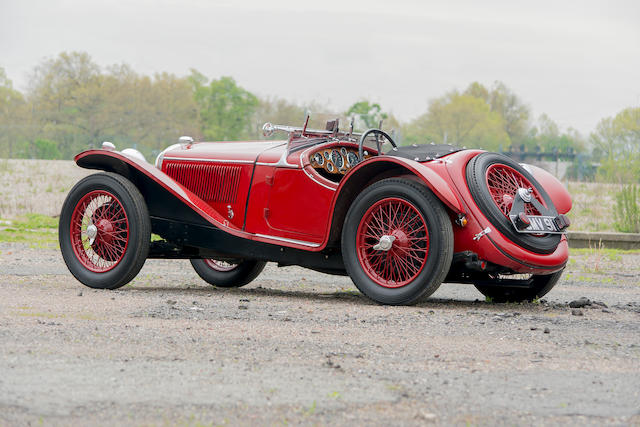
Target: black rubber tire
point(476, 180)
point(539, 285)
point(137, 248)
point(440, 233)
point(245, 272)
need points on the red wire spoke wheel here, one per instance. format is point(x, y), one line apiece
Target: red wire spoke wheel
point(99, 231)
point(104, 231)
point(503, 183)
point(397, 242)
point(493, 180)
point(400, 221)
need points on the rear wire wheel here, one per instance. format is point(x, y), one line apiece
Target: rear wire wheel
point(225, 274)
point(404, 261)
point(493, 181)
point(104, 231)
point(397, 242)
point(518, 289)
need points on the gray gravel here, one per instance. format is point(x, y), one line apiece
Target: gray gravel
point(300, 347)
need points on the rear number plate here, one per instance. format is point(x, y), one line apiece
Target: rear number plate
point(539, 224)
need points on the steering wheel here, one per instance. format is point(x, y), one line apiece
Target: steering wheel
point(377, 132)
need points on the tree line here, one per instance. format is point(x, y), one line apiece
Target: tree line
point(72, 104)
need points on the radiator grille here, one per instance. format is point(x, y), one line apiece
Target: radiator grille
point(210, 182)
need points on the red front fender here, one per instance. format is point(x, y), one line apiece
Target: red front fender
point(136, 170)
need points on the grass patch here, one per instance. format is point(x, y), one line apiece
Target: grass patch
point(37, 239)
point(612, 254)
point(5, 166)
point(45, 315)
point(40, 231)
point(35, 221)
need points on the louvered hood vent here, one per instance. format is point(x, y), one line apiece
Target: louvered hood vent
point(210, 182)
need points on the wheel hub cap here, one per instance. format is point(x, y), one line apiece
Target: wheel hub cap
point(106, 229)
point(525, 194)
point(385, 243)
point(92, 232)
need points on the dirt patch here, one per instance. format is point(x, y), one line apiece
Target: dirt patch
point(300, 347)
point(36, 186)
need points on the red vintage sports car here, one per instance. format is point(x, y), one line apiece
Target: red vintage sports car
point(399, 220)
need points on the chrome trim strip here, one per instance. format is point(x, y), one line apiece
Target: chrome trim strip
point(284, 239)
point(193, 159)
point(278, 165)
point(316, 181)
point(282, 163)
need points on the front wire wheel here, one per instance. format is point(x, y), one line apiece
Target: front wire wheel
point(104, 231)
point(99, 231)
point(397, 242)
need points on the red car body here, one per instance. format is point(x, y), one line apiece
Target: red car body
point(278, 201)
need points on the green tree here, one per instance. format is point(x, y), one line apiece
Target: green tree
point(367, 115)
point(69, 101)
point(547, 137)
point(78, 105)
point(225, 109)
point(616, 142)
point(13, 117)
point(459, 119)
point(42, 149)
point(503, 101)
point(276, 111)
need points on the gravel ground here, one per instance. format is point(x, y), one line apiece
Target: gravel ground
point(298, 347)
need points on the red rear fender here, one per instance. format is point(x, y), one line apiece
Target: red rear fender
point(433, 174)
point(555, 189)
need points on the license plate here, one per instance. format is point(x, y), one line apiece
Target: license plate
point(539, 224)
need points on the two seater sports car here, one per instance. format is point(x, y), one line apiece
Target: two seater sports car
point(399, 220)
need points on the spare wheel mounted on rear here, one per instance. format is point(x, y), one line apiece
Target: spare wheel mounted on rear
point(493, 180)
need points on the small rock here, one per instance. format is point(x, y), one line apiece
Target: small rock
point(533, 328)
point(580, 302)
point(244, 300)
point(243, 307)
point(427, 416)
point(599, 303)
point(576, 312)
point(604, 310)
point(80, 293)
point(171, 302)
point(547, 331)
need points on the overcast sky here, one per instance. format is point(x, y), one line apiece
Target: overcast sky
point(576, 61)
